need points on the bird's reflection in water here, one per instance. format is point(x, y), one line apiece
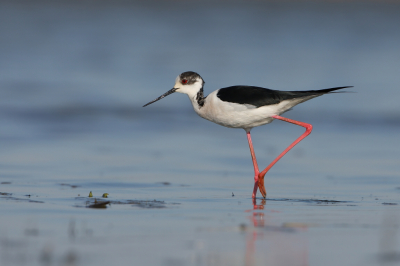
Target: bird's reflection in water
point(287, 245)
point(258, 220)
point(260, 206)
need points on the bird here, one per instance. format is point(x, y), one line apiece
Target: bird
point(245, 107)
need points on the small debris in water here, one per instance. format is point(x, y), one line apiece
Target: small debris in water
point(99, 204)
point(233, 194)
point(312, 201)
point(155, 204)
point(105, 195)
point(69, 185)
point(5, 183)
point(9, 197)
point(389, 203)
point(242, 227)
point(90, 194)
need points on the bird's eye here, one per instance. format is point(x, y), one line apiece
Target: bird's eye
point(184, 81)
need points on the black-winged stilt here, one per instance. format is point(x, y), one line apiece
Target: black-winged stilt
point(244, 107)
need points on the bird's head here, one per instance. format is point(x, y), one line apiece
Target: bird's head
point(188, 82)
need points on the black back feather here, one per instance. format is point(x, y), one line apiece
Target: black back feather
point(258, 96)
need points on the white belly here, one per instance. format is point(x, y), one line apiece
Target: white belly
point(238, 115)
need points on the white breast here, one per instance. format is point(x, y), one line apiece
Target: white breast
point(234, 115)
point(240, 115)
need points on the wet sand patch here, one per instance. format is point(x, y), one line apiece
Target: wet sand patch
point(8, 196)
point(314, 201)
point(97, 203)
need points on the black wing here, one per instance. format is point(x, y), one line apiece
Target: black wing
point(258, 96)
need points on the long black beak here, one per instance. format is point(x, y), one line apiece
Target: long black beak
point(162, 96)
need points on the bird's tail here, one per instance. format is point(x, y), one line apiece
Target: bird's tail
point(296, 94)
point(296, 97)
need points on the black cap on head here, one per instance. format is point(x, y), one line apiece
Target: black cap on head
point(190, 76)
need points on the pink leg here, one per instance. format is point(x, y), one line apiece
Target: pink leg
point(305, 134)
point(256, 171)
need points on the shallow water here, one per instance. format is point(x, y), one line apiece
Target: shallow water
point(73, 78)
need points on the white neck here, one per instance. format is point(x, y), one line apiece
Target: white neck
point(195, 93)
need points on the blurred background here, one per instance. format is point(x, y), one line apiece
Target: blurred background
point(77, 70)
point(74, 76)
point(65, 62)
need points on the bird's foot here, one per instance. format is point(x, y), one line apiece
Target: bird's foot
point(261, 186)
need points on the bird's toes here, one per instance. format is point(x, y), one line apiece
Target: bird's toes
point(261, 186)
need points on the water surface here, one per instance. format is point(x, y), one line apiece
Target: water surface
point(73, 78)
